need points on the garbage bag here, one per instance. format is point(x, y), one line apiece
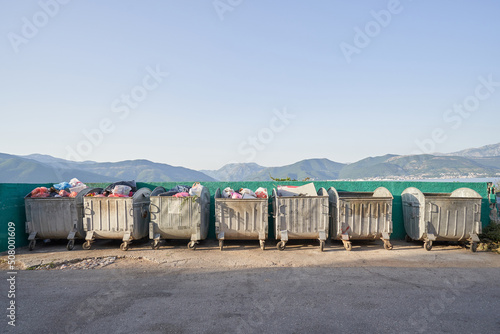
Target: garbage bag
point(157, 191)
point(121, 190)
point(227, 193)
point(131, 184)
point(62, 186)
point(261, 192)
point(196, 189)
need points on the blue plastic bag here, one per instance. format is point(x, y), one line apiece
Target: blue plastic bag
point(62, 186)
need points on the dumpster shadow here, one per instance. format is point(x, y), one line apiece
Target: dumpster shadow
point(307, 244)
point(361, 245)
point(238, 245)
point(438, 246)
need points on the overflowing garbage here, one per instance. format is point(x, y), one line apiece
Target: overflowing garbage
point(244, 193)
point(180, 191)
point(290, 191)
point(117, 189)
point(63, 189)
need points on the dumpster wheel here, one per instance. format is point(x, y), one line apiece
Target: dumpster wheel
point(407, 238)
point(32, 244)
point(387, 245)
point(473, 247)
point(155, 245)
point(86, 245)
point(124, 246)
point(70, 245)
point(321, 245)
point(428, 245)
point(281, 245)
point(348, 246)
point(192, 245)
point(221, 244)
point(262, 244)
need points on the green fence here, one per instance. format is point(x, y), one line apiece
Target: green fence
point(12, 200)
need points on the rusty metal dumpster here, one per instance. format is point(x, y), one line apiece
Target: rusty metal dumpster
point(361, 216)
point(301, 217)
point(124, 218)
point(241, 219)
point(179, 218)
point(55, 218)
point(442, 216)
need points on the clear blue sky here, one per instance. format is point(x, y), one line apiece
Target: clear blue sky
point(227, 77)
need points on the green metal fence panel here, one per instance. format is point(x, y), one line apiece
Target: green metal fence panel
point(12, 200)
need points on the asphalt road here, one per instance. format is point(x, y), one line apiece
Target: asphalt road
point(270, 300)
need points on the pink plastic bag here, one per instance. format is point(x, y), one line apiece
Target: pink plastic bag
point(179, 195)
point(236, 196)
point(40, 192)
point(63, 193)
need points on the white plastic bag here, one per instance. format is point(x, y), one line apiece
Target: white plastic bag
point(76, 185)
point(196, 189)
point(75, 182)
point(121, 190)
point(261, 193)
point(227, 193)
point(246, 191)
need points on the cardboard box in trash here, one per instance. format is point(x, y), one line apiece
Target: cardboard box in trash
point(305, 190)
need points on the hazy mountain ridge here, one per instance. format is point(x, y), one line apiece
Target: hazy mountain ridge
point(235, 171)
point(37, 168)
point(479, 152)
point(417, 166)
point(315, 169)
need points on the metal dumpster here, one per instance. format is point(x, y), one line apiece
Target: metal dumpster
point(55, 218)
point(124, 218)
point(301, 217)
point(241, 219)
point(441, 216)
point(361, 216)
point(179, 218)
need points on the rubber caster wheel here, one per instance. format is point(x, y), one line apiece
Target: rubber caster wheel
point(155, 245)
point(221, 245)
point(348, 246)
point(407, 238)
point(262, 245)
point(321, 245)
point(192, 245)
point(124, 246)
point(32, 244)
point(388, 246)
point(86, 245)
point(281, 245)
point(428, 245)
point(70, 245)
point(473, 247)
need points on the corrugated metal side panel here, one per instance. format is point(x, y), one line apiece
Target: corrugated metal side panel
point(178, 218)
point(452, 219)
point(365, 218)
point(53, 218)
point(109, 218)
point(302, 217)
point(241, 219)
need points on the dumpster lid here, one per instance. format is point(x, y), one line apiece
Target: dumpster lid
point(157, 191)
point(465, 193)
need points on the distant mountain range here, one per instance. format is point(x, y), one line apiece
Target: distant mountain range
point(481, 152)
point(37, 168)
